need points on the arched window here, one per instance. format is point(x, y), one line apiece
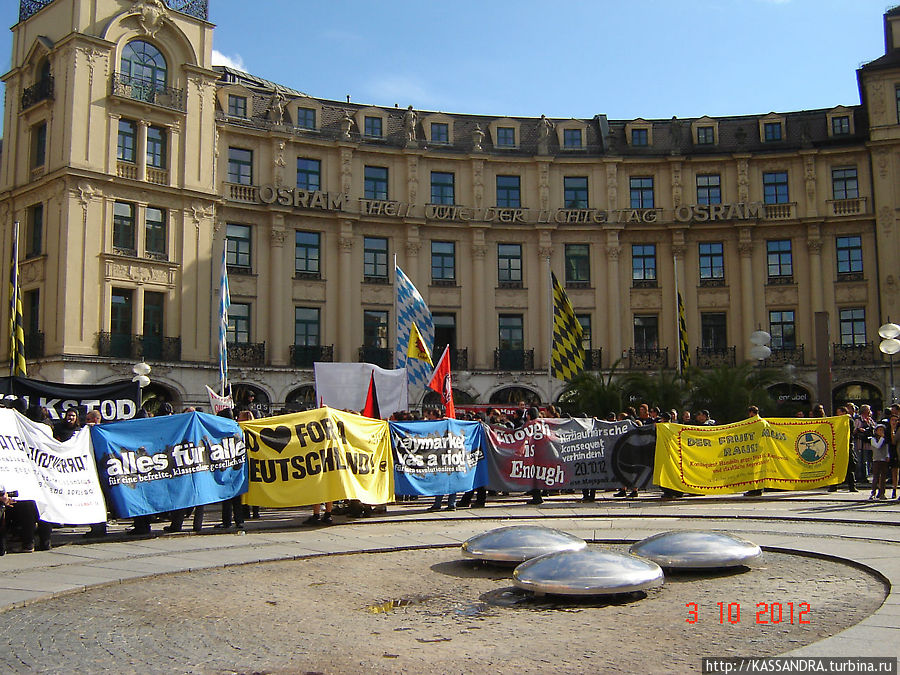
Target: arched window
point(144, 67)
point(43, 70)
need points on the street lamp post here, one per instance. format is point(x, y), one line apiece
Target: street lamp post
point(890, 345)
point(760, 350)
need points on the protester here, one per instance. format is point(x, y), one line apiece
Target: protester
point(68, 427)
point(5, 502)
point(862, 432)
point(893, 440)
point(319, 518)
point(878, 444)
point(97, 530)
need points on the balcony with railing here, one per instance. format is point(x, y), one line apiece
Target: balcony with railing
point(157, 176)
point(379, 356)
point(847, 207)
point(304, 356)
point(780, 211)
point(126, 170)
point(648, 359)
point(198, 9)
point(247, 353)
point(862, 354)
point(714, 357)
point(458, 356)
point(785, 356)
point(42, 90)
point(247, 194)
point(146, 91)
point(593, 359)
point(34, 345)
point(149, 347)
point(513, 359)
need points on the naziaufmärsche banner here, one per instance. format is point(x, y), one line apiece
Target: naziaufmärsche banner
point(438, 457)
point(159, 464)
point(553, 454)
point(116, 400)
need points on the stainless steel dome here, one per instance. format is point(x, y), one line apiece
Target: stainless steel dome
point(518, 543)
point(696, 550)
point(587, 572)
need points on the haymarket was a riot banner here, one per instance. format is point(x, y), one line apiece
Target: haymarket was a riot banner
point(437, 458)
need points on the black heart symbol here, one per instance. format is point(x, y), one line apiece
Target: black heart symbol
point(277, 438)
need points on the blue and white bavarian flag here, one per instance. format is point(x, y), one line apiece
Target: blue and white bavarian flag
point(411, 308)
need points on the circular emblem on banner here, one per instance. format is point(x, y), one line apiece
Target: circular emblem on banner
point(811, 447)
point(448, 387)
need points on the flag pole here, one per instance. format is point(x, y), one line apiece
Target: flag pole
point(14, 301)
point(677, 310)
point(549, 333)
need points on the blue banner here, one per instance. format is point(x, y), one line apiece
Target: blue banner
point(437, 458)
point(161, 464)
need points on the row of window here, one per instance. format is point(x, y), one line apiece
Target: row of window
point(506, 136)
point(845, 184)
point(373, 127)
point(511, 328)
point(307, 258)
point(772, 132)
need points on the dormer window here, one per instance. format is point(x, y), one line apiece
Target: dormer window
point(639, 133)
point(372, 127)
point(237, 106)
point(440, 132)
point(572, 139)
point(771, 131)
point(306, 118)
point(506, 137)
point(706, 135)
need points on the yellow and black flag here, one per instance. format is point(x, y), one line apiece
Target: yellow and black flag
point(684, 354)
point(16, 323)
point(566, 354)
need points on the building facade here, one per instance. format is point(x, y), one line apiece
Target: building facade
point(132, 164)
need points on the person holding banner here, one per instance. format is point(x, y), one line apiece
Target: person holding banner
point(5, 501)
point(880, 457)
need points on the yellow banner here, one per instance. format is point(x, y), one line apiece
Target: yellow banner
point(788, 454)
point(318, 456)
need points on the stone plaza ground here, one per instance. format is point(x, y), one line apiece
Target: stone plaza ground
point(392, 593)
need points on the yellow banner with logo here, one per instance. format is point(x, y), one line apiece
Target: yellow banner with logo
point(318, 456)
point(788, 454)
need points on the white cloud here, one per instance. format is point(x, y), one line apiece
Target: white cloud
point(220, 59)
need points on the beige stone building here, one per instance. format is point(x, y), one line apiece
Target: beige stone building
point(131, 163)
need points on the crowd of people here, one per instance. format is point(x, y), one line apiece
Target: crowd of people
point(874, 462)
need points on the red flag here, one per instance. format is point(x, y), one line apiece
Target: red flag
point(442, 384)
point(371, 407)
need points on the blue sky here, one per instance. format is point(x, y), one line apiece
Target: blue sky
point(574, 58)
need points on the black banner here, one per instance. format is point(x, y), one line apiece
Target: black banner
point(116, 401)
point(551, 454)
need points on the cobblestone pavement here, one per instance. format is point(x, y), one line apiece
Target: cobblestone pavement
point(308, 614)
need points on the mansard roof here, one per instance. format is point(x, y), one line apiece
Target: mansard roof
point(802, 129)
